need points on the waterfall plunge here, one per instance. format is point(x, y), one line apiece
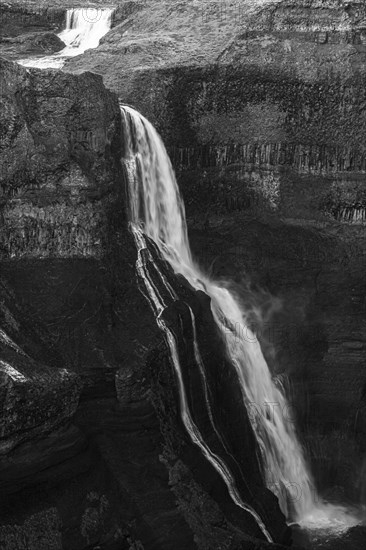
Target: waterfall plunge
point(84, 29)
point(157, 210)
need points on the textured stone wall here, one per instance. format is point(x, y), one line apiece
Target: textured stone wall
point(60, 172)
point(24, 17)
point(231, 126)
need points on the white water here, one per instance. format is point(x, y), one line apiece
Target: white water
point(84, 29)
point(157, 210)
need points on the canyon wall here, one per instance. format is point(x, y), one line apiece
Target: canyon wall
point(93, 452)
point(262, 108)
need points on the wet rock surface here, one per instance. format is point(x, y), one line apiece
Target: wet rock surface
point(220, 383)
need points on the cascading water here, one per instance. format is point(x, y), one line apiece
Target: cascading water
point(84, 29)
point(157, 210)
point(158, 305)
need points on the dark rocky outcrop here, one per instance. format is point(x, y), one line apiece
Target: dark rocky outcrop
point(60, 139)
point(35, 399)
point(31, 44)
point(18, 18)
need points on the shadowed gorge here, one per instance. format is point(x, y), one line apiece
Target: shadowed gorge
point(182, 341)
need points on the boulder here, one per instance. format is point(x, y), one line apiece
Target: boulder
point(32, 44)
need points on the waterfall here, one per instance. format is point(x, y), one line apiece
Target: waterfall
point(84, 29)
point(352, 214)
point(158, 306)
point(157, 211)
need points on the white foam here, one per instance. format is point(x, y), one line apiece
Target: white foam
point(84, 29)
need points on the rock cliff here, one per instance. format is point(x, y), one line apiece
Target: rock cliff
point(92, 448)
point(262, 106)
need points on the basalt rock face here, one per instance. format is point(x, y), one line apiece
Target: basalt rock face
point(35, 399)
point(263, 112)
point(58, 492)
point(62, 312)
point(59, 139)
point(18, 18)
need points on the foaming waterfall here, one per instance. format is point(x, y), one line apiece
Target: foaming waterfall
point(157, 210)
point(352, 214)
point(84, 29)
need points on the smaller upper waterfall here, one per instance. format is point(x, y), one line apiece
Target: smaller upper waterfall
point(84, 29)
